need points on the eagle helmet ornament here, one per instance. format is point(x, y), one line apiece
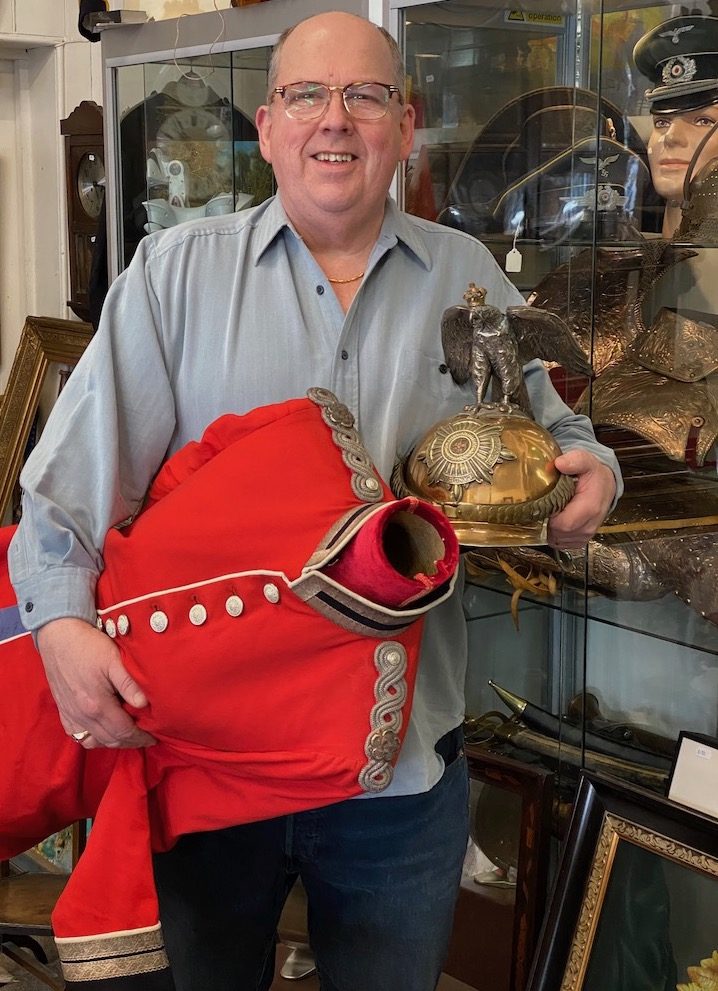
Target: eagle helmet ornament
point(491, 467)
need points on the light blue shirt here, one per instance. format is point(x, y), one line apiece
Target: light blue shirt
point(227, 314)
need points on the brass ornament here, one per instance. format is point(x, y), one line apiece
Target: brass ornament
point(503, 503)
point(461, 451)
point(491, 467)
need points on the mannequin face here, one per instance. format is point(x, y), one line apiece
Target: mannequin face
point(673, 140)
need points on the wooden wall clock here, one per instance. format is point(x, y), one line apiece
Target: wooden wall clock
point(85, 175)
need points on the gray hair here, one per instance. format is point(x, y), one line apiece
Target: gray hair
point(397, 60)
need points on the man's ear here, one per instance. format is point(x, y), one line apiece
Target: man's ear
point(263, 123)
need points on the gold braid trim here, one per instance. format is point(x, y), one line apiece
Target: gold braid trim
point(364, 481)
point(121, 955)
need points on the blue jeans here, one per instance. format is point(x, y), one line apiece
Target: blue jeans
point(381, 877)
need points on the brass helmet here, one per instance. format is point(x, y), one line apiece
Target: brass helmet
point(492, 472)
point(491, 468)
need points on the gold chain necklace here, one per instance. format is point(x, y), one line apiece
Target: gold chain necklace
point(343, 282)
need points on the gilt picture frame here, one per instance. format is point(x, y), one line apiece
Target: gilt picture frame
point(635, 895)
point(43, 341)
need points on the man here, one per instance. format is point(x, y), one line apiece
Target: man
point(327, 284)
point(680, 57)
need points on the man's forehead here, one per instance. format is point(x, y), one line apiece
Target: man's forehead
point(336, 43)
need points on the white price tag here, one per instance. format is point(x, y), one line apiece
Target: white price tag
point(513, 261)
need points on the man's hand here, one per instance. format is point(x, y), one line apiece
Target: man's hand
point(595, 489)
point(88, 682)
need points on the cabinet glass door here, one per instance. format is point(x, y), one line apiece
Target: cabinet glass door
point(535, 133)
point(187, 141)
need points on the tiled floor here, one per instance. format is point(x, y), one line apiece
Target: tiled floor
point(22, 981)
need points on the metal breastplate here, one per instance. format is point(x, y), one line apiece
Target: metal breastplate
point(601, 302)
point(699, 222)
point(665, 386)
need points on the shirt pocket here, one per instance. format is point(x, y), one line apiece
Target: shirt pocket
point(429, 395)
point(430, 376)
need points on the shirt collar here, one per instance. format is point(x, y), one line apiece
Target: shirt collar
point(397, 226)
point(271, 221)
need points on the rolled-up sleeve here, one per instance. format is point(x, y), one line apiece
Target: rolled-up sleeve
point(570, 430)
point(104, 440)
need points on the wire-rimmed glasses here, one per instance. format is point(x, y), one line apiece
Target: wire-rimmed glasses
point(363, 101)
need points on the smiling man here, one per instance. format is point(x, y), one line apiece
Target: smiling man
point(327, 284)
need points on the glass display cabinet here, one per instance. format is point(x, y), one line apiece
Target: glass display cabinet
point(532, 134)
point(180, 97)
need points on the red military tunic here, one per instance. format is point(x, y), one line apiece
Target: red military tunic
point(249, 600)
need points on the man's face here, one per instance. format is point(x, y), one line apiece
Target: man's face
point(673, 140)
point(334, 167)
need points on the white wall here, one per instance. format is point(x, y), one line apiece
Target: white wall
point(46, 69)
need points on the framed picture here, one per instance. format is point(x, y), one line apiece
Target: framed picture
point(43, 341)
point(503, 890)
point(636, 897)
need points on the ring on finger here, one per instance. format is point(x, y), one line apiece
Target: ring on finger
point(81, 736)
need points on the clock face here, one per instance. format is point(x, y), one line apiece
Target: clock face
point(90, 188)
point(198, 142)
point(193, 124)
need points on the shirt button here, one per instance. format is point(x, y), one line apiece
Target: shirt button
point(29, 606)
point(345, 355)
point(443, 369)
point(320, 290)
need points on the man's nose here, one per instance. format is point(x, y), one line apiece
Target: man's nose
point(336, 114)
point(677, 132)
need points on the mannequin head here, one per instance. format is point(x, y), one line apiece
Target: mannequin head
point(680, 57)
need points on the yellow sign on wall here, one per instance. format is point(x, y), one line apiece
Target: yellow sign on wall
point(534, 17)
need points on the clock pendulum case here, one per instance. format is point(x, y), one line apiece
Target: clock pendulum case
point(85, 174)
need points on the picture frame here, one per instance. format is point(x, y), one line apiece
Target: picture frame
point(496, 929)
point(43, 341)
point(635, 897)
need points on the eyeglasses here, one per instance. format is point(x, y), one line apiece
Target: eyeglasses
point(363, 101)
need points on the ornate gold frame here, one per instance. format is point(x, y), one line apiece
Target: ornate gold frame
point(612, 832)
point(44, 340)
point(607, 813)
